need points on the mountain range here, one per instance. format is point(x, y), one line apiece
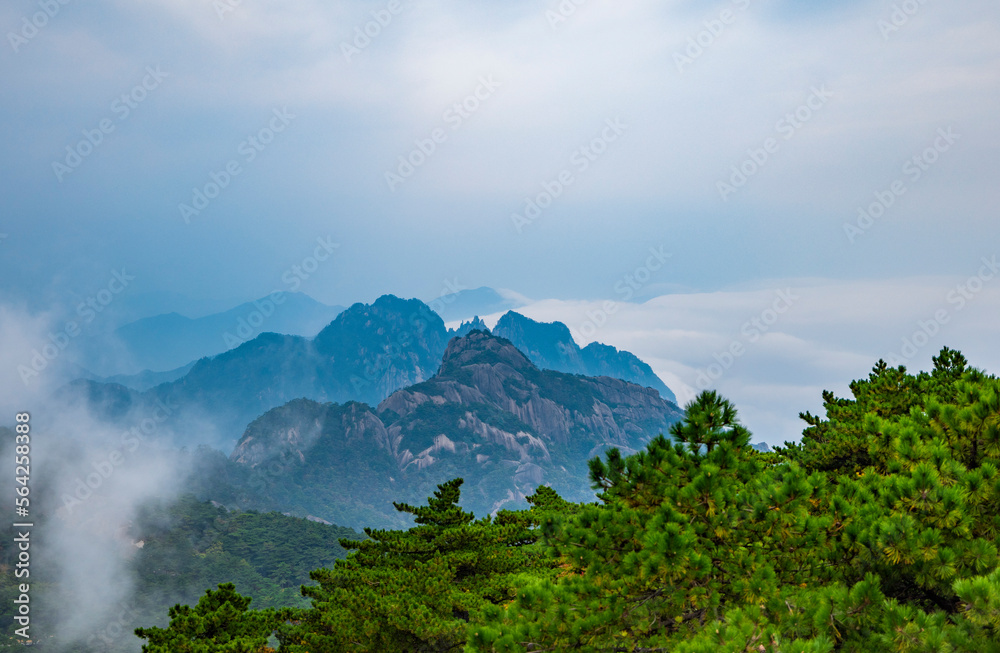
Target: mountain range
point(551, 346)
point(488, 415)
point(468, 303)
point(167, 342)
point(365, 354)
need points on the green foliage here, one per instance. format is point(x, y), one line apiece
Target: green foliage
point(220, 623)
point(877, 532)
point(686, 530)
point(418, 590)
point(189, 545)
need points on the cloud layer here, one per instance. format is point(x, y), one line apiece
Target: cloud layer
point(701, 87)
point(775, 348)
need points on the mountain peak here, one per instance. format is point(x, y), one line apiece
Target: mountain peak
point(463, 304)
point(551, 346)
point(475, 324)
point(553, 331)
point(482, 348)
point(390, 301)
point(388, 320)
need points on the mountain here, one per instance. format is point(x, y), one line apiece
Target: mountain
point(147, 379)
point(366, 353)
point(475, 324)
point(200, 543)
point(551, 346)
point(374, 350)
point(140, 304)
point(176, 550)
point(605, 360)
point(465, 304)
point(170, 341)
point(489, 415)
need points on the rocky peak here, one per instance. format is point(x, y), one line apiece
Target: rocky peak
point(482, 348)
point(550, 345)
point(516, 323)
point(292, 428)
point(475, 324)
point(386, 322)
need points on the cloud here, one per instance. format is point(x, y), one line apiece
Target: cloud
point(559, 84)
point(88, 480)
point(22, 333)
point(97, 479)
point(774, 358)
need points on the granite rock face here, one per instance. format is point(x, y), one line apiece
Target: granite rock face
point(366, 354)
point(489, 415)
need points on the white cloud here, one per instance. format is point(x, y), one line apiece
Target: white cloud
point(607, 60)
point(833, 333)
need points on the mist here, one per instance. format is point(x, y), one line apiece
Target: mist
point(88, 480)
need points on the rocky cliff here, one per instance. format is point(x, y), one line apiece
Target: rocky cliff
point(489, 415)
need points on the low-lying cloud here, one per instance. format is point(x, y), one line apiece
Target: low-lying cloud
point(774, 349)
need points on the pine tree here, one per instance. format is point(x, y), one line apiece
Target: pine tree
point(687, 529)
point(221, 623)
point(420, 589)
point(877, 532)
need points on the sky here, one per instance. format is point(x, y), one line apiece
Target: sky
point(846, 153)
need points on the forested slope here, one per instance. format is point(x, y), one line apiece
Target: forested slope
point(877, 532)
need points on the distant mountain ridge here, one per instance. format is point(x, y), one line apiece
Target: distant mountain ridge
point(489, 415)
point(171, 341)
point(551, 346)
point(365, 354)
point(146, 379)
point(463, 304)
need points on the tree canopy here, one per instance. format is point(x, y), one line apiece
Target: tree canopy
point(877, 531)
